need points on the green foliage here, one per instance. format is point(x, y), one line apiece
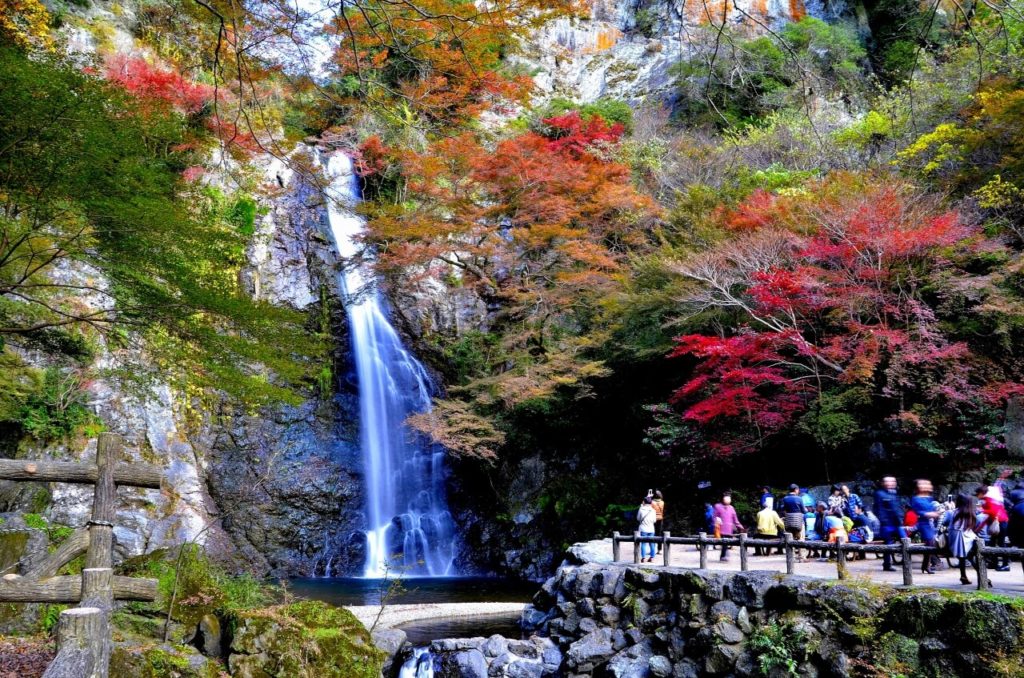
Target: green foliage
point(49, 618)
point(243, 215)
point(610, 110)
point(778, 648)
point(748, 78)
point(59, 409)
point(102, 186)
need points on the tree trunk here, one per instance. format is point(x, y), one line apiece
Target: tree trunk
point(81, 635)
point(15, 589)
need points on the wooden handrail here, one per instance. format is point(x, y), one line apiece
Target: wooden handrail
point(789, 545)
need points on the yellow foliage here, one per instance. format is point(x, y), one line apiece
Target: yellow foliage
point(25, 23)
point(999, 194)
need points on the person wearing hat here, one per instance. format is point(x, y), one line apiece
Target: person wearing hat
point(793, 515)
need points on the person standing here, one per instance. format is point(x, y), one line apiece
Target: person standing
point(659, 511)
point(793, 515)
point(961, 533)
point(923, 504)
point(1016, 533)
point(996, 521)
point(768, 525)
point(890, 517)
point(646, 516)
point(727, 520)
point(766, 494)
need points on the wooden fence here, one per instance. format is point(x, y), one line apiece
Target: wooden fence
point(83, 633)
point(901, 550)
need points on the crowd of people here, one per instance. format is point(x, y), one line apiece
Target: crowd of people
point(993, 514)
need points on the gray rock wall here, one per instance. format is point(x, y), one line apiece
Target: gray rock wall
point(636, 622)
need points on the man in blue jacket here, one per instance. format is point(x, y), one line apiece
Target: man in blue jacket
point(889, 511)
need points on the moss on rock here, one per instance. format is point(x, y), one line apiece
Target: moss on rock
point(309, 639)
point(160, 661)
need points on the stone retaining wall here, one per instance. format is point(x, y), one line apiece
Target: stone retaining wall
point(628, 621)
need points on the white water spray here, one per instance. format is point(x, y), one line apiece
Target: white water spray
point(410, 529)
point(419, 665)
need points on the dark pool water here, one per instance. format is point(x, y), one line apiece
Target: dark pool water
point(413, 591)
point(421, 633)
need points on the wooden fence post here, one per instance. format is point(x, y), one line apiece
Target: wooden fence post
point(101, 527)
point(81, 634)
point(702, 548)
point(979, 561)
point(636, 547)
point(743, 551)
point(666, 535)
point(908, 566)
point(616, 547)
point(840, 559)
point(787, 542)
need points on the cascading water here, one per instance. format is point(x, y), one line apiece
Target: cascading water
point(410, 529)
point(419, 665)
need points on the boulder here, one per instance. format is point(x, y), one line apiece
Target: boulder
point(660, 666)
point(631, 663)
point(208, 636)
point(494, 646)
point(722, 658)
point(462, 664)
point(724, 609)
point(590, 651)
point(523, 669)
point(728, 632)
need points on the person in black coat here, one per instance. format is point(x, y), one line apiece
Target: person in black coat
point(889, 511)
point(1016, 530)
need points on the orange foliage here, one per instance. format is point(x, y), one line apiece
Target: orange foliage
point(442, 57)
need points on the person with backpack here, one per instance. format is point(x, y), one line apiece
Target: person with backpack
point(646, 516)
point(659, 511)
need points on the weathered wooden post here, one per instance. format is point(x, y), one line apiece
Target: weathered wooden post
point(665, 546)
point(636, 547)
point(702, 549)
point(743, 551)
point(101, 527)
point(787, 543)
point(616, 546)
point(908, 566)
point(981, 565)
point(840, 560)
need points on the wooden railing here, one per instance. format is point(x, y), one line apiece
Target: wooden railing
point(903, 549)
point(83, 632)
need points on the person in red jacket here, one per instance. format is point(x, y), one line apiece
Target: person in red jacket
point(995, 519)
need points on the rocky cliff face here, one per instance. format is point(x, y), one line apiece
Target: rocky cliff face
point(625, 48)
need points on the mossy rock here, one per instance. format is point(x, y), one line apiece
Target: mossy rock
point(916, 615)
point(160, 661)
point(896, 654)
point(147, 627)
point(309, 639)
point(986, 626)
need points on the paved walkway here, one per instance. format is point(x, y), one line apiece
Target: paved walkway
point(1010, 583)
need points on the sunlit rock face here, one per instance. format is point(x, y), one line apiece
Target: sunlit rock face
point(625, 49)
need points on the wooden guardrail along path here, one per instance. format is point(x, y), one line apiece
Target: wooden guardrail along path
point(83, 632)
point(903, 549)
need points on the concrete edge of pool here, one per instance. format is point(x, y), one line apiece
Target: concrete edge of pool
point(395, 615)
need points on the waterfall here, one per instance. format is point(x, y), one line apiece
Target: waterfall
point(410, 529)
point(419, 665)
